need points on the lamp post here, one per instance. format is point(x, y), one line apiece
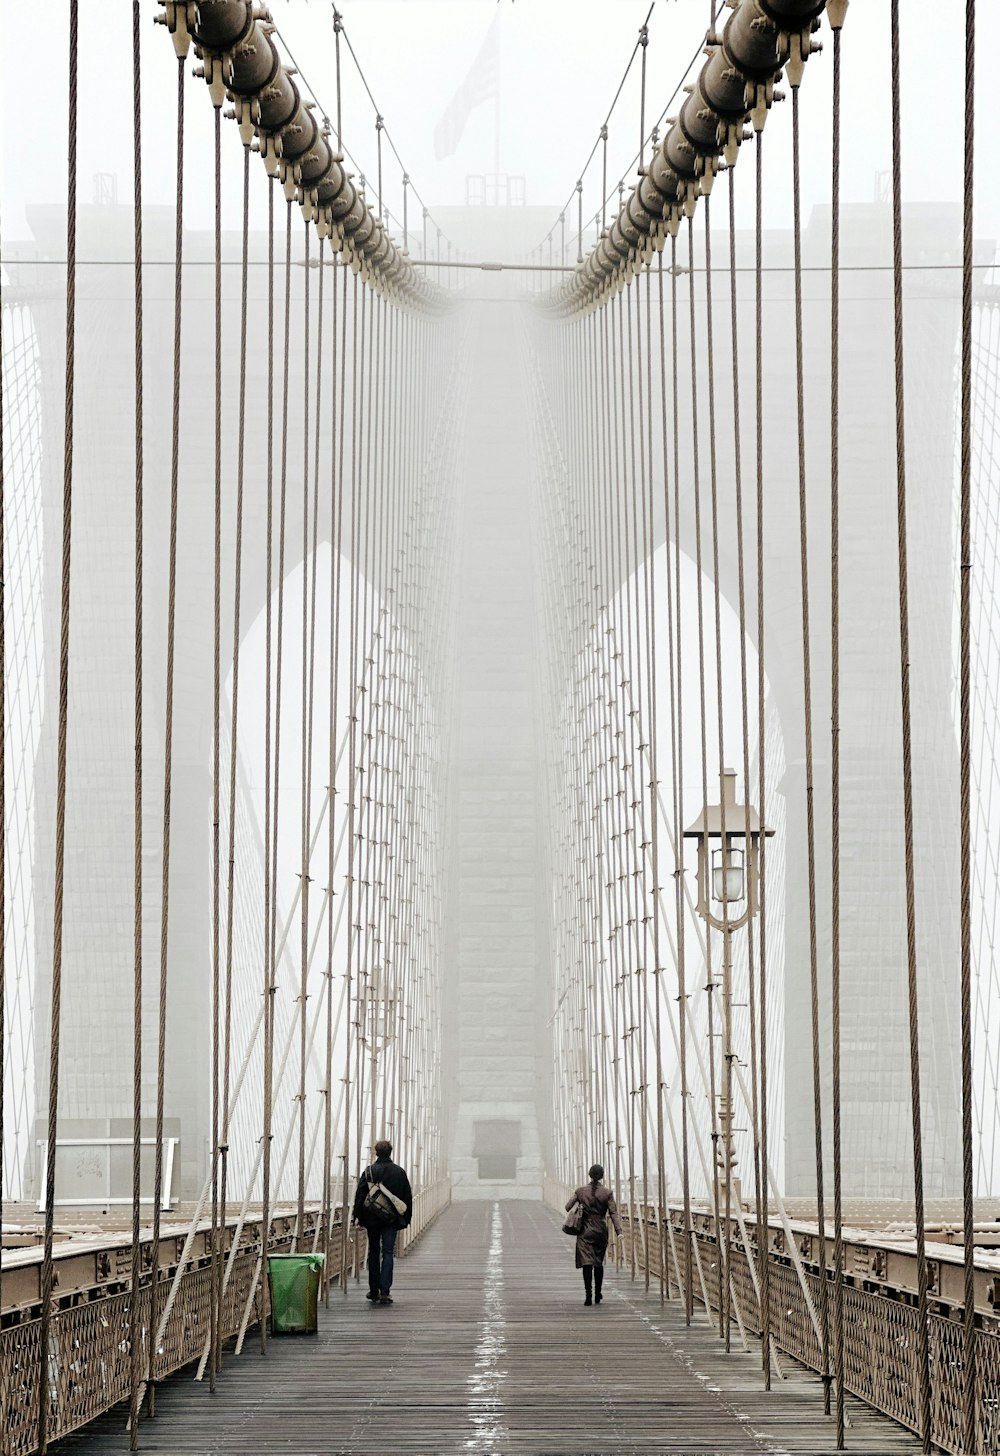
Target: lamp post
point(379, 1015)
point(728, 877)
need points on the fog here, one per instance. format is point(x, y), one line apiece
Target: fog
point(492, 663)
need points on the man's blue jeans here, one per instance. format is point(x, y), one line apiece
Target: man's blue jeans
point(381, 1247)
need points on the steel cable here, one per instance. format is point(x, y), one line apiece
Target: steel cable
point(759, 1175)
point(970, 1403)
point(923, 1348)
point(3, 786)
point(726, 1129)
point(51, 1146)
point(304, 764)
point(312, 559)
point(354, 675)
point(336, 518)
point(765, 1263)
point(280, 621)
point(234, 707)
point(346, 1166)
point(807, 710)
point(640, 548)
point(632, 949)
point(214, 1303)
point(835, 914)
point(168, 742)
point(703, 735)
point(677, 713)
point(269, 825)
point(134, 1318)
point(650, 589)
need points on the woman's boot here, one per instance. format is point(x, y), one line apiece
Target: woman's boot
point(588, 1279)
point(598, 1282)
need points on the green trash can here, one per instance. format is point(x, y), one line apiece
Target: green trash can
point(294, 1285)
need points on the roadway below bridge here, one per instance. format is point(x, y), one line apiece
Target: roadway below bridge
point(488, 1349)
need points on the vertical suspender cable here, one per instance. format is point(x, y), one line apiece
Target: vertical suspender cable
point(923, 1352)
point(807, 705)
point(759, 1174)
point(631, 944)
point(235, 704)
point(640, 934)
point(310, 570)
point(367, 628)
point(336, 517)
point(602, 738)
point(609, 434)
point(654, 786)
point(280, 623)
point(678, 804)
point(713, 1192)
point(338, 25)
point(346, 1167)
point(269, 826)
point(618, 750)
point(168, 742)
point(371, 786)
point(726, 1097)
point(765, 1266)
point(3, 795)
point(579, 217)
point(644, 42)
point(60, 855)
point(215, 1303)
point(682, 1279)
point(970, 1394)
point(300, 1226)
point(375, 735)
point(359, 331)
point(135, 1321)
point(836, 16)
point(641, 552)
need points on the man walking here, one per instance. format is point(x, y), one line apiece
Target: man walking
point(383, 1205)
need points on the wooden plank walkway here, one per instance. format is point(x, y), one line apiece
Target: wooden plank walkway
point(489, 1349)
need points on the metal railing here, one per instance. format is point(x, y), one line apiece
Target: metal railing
point(880, 1308)
point(89, 1354)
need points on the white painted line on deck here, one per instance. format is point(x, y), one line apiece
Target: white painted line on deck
point(486, 1382)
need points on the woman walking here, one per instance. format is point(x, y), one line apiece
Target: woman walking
point(598, 1205)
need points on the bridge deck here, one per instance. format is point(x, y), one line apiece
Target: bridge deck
point(489, 1349)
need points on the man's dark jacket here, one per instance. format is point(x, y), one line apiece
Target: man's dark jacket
point(391, 1175)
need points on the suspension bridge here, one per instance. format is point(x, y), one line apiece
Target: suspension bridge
point(536, 708)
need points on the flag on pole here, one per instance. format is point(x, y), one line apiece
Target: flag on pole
point(481, 84)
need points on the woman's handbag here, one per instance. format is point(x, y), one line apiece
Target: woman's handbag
point(574, 1220)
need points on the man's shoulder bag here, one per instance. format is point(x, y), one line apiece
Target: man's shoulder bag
point(382, 1204)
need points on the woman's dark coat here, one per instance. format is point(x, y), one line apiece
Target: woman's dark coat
point(592, 1240)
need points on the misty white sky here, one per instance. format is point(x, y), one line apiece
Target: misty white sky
point(561, 61)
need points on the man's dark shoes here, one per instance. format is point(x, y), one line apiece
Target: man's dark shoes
point(373, 1296)
point(385, 1299)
